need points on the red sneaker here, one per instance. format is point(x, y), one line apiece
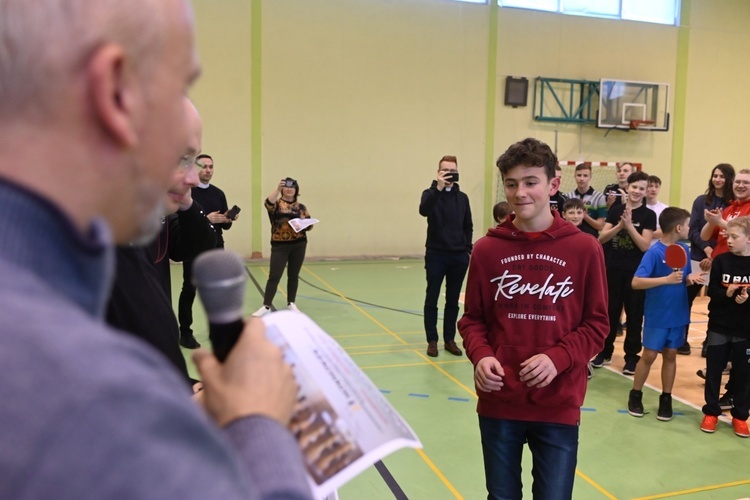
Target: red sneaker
point(740, 427)
point(709, 423)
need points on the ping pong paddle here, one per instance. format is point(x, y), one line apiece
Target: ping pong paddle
point(675, 256)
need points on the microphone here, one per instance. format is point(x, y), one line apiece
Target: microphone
point(219, 275)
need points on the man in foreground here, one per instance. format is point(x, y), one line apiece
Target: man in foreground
point(535, 314)
point(94, 413)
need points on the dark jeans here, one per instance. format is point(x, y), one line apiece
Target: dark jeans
point(622, 294)
point(452, 267)
point(291, 256)
point(187, 297)
point(721, 349)
point(554, 451)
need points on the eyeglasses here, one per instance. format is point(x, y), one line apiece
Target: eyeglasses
point(188, 162)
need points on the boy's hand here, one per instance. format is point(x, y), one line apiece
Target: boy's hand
point(538, 371)
point(730, 290)
point(488, 375)
point(627, 216)
point(675, 278)
point(705, 264)
point(697, 278)
point(742, 296)
point(712, 216)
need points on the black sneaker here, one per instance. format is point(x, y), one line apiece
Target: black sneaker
point(600, 361)
point(188, 341)
point(726, 402)
point(635, 403)
point(629, 368)
point(665, 408)
point(701, 373)
point(684, 349)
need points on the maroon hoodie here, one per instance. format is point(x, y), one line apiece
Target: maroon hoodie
point(526, 296)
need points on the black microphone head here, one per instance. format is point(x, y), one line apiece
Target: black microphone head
point(219, 275)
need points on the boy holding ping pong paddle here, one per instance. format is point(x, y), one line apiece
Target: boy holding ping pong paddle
point(728, 326)
point(664, 273)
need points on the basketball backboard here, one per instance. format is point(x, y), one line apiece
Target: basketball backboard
point(626, 104)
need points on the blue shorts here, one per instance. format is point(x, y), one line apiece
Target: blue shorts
point(657, 339)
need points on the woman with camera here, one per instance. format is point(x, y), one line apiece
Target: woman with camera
point(287, 245)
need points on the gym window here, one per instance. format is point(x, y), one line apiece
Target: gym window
point(649, 11)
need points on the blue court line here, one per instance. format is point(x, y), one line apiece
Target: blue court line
point(385, 391)
point(419, 395)
point(588, 409)
point(462, 400)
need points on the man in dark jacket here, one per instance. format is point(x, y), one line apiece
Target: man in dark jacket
point(449, 231)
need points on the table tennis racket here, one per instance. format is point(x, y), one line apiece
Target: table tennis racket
point(675, 257)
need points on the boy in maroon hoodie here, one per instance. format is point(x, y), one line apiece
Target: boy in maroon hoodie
point(535, 313)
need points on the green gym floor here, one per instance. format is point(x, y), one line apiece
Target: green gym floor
point(374, 310)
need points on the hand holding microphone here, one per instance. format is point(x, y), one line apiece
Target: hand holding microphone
point(248, 374)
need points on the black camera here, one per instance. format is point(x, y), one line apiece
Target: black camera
point(290, 183)
point(451, 177)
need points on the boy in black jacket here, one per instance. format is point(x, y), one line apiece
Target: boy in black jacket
point(729, 332)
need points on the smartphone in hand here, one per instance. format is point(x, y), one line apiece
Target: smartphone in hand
point(232, 213)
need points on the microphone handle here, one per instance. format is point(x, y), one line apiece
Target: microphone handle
point(223, 337)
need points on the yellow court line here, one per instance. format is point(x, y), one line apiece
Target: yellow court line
point(451, 377)
point(357, 335)
point(595, 485)
point(403, 349)
point(439, 474)
point(380, 345)
point(696, 490)
point(404, 365)
point(355, 306)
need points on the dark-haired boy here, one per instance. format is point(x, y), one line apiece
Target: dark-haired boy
point(667, 311)
point(626, 236)
point(535, 313)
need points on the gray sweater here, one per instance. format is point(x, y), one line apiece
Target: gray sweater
point(88, 412)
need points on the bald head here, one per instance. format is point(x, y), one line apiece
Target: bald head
point(99, 86)
point(44, 43)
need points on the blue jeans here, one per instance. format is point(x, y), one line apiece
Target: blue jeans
point(554, 451)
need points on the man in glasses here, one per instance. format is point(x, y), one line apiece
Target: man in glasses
point(214, 204)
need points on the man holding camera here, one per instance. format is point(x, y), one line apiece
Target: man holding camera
point(449, 233)
point(214, 204)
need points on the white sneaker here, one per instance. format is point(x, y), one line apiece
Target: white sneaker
point(292, 307)
point(262, 311)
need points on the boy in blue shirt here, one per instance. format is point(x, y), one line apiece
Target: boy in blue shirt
point(666, 310)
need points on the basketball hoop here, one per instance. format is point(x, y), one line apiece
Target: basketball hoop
point(639, 124)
